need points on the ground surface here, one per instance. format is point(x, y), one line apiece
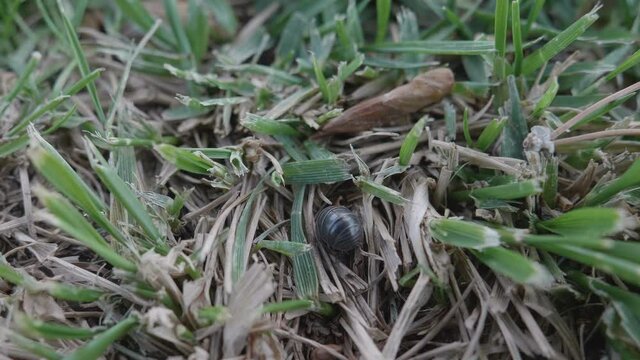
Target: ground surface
point(159, 179)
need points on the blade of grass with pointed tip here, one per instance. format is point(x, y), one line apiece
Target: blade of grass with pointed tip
point(69, 292)
point(500, 38)
point(511, 191)
point(516, 34)
point(464, 234)
point(34, 347)
point(490, 133)
point(465, 128)
point(625, 250)
point(533, 15)
point(287, 248)
point(515, 266)
point(37, 113)
point(94, 348)
point(602, 194)
point(291, 37)
point(304, 269)
point(267, 126)
point(450, 120)
point(516, 130)
point(135, 11)
point(550, 187)
point(200, 104)
point(185, 160)
point(589, 221)
point(39, 329)
point(61, 175)
point(324, 171)
point(34, 60)
point(197, 29)
point(411, 142)
point(546, 99)
point(380, 191)
point(67, 218)
point(57, 290)
point(81, 60)
point(83, 82)
point(435, 47)
point(288, 305)
point(224, 15)
point(625, 269)
point(129, 200)
point(383, 11)
point(239, 262)
point(560, 42)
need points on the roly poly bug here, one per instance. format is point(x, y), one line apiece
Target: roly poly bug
point(339, 228)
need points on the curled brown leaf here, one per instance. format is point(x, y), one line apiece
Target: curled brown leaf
point(388, 109)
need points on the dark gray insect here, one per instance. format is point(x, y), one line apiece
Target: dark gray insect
point(339, 228)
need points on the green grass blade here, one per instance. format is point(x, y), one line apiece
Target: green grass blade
point(264, 125)
point(34, 60)
point(625, 269)
point(81, 60)
point(550, 187)
point(435, 47)
point(304, 269)
point(34, 347)
point(516, 129)
point(323, 171)
point(187, 160)
point(411, 142)
point(464, 234)
point(516, 34)
point(600, 195)
point(287, 248)
point(383, 11)
point(533, 15)
point(83, 82)
point(95, 348)
point(239, 262)
point(380, 191)
point(450, 120)
point(625, 250)
point(224, 15)
point(61, 175)
point(490, 133)
point(288, 305)
point(590, 222)
point(37, 113)
point(465, 128)
point(68, 292)
point(546, 99)
point(511, 191)
point(500, 38)
point(202, 104)
point(560, 42)
point(515, 266)
point(127, 198)
point(39, 329)
point(198, 29)
point(67, 218)
point(171, 11)
point(627, 64)
point(136, 12)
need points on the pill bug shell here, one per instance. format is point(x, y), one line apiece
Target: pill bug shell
point(339, 228)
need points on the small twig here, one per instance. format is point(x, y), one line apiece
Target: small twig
point(589, 110)
point(598, 135)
